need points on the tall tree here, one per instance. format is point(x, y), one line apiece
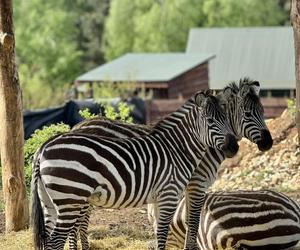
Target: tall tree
point(11, 127)
point(91, 16)
point(232, 13)
point(295, 18)
point(47, 52)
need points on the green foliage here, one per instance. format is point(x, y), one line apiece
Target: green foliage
point(110, 89)
point(122, 113)
point(242, 13)
point(159, 26)
point(291, 104)
point(149, 26)
point(90, 18)
point(86, 114)
point(46, 49)
point(37, 139)
point(56, 41)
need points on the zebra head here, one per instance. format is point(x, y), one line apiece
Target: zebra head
point(245, 112)
point(213, 128)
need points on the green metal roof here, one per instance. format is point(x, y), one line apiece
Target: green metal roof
point(146, 67)
point(262, 53)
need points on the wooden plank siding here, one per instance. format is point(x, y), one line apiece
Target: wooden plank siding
point(189, 82)
point(158, 109)
point(274, 106)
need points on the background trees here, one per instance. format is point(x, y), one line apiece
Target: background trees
point(57, 41)
point(164, 25)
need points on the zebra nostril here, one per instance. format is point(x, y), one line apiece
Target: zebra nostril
point(230, 147)
point(266, 141)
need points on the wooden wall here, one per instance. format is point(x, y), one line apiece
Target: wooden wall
point(157, 109)
point(189, 82)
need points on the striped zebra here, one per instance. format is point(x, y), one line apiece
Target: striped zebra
point(236, 100)
point(75, 169)
point(249, 220)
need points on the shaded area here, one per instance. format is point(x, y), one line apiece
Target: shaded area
point(69, 114)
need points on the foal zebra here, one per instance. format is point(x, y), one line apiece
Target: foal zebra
point(236, 102)
point(74, 169)
point(252, 220)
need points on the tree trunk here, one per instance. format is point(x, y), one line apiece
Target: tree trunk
point(11, 127)
point(295, 19)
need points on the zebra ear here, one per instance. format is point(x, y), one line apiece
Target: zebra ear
point(255, 87)
point(227, 92)
point(200, 97)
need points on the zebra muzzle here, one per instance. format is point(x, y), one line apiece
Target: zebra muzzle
point(266, 141)
point(231, 146)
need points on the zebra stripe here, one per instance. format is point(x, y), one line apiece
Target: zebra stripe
point(77, 168)
point(241, 220)
point(234, 99)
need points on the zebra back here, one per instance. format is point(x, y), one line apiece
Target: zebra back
point(105, 127)
point(252, 219)
point(260, 220)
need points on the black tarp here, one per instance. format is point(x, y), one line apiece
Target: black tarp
point(69, 114)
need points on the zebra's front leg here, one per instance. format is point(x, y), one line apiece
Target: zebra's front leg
point(165, 210)
point(194, 199)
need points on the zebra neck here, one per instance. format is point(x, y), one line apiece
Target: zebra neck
point(178, 132)
point(232, 115)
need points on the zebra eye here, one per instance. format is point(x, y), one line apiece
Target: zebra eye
point(210, 121)
point(247, 114)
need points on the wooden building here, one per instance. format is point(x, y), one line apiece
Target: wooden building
point(265, 54)
point(164, 75)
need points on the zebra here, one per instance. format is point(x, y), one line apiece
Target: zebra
point(258, 220)
point(74, 169)
point(235, 101)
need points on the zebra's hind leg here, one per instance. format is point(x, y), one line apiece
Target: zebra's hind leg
point(73, 237)
point(66, 219)
point(80, 227)
point(83, 229)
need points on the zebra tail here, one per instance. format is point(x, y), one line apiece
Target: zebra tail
point(37, 215)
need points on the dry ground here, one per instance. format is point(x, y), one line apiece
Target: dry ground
point(109, 229)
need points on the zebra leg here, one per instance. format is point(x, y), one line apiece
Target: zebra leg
point(80, 226)
point(66, 219)
point(73, 237)
point(194, 199)
point(165, 209)
point(83, 229)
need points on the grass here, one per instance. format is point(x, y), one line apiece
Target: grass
point(120, 238)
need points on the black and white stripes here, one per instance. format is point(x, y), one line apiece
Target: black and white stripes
point(260, 220)
point(80, 168)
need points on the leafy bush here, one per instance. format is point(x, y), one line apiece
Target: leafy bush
point(122, 113)
point(86, 114)
point(291, 104)
point(37, 139)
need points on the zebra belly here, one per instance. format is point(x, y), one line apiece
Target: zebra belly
point(100, 199)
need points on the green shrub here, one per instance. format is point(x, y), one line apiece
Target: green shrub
point(35, 141)
point(122, 113)
point(291, 104)
point(86, 114)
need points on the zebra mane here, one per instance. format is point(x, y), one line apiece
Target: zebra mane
point(244, 87)
point(212, 104)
